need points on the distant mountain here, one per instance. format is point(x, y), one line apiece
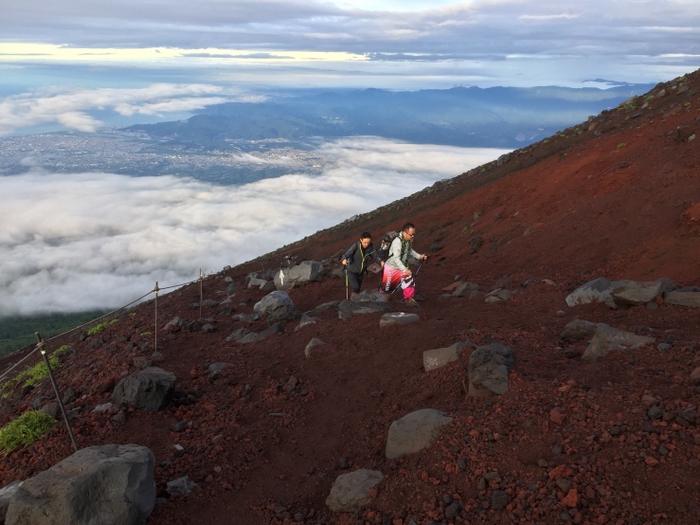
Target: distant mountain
point(503, 117)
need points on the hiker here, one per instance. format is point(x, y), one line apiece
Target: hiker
point(396, 270)
point(355, 259)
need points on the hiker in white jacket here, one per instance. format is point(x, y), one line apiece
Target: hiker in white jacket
point(396, 268)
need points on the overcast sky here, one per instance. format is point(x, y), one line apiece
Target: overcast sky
point(540, 41)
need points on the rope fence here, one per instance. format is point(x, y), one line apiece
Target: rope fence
point(41, 343)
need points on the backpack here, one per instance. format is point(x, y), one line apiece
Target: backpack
point(383, 251)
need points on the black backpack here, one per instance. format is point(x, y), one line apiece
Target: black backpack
point(387, 239)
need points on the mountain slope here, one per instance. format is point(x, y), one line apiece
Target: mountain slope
point(612, 197)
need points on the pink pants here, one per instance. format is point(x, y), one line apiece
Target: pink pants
point(392, 278)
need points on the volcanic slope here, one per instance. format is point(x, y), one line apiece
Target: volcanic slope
point(571, 441)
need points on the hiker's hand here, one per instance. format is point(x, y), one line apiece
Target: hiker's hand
point(424, 257)
point(407, 273)
point(344, 262)
point(382, 263)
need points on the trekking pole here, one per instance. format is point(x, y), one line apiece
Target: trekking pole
point(347, 294)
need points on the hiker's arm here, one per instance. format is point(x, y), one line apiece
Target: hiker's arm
point(349, 254)
point(418, 256)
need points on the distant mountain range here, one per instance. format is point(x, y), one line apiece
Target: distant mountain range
point(503, 117)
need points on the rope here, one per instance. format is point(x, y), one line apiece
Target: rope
point(62, 334)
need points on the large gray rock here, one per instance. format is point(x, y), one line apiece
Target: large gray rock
point(465, 289)
point(6, 494)
point(303, 273)
point(595, 291)
point(439, 357)
point(370, 296)
point(414, 432)
point(245, 336)
point(488, 370)
point(398, 318)
point(305, 321)
point(352, 491)
point(577, 329)
point(683, 298)
point(100, 485)
point(149, 389)
point(346, 309)
point(606, 339)
point(633, 292)
point(323, 308)
point(278, 306)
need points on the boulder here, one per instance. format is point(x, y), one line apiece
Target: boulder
point(149, 389)
point(683, 298)
point(577, 329)
point(323, 308)
point(595, 291)
point(108, 484)
point(244, 336)
point(346, 309)
point(353, 491)
point(6, 494)
point(414, 432)
point(499, 295)
point(633, 292)
point(306, 320)
point(465, 289)
point(606, 339)
point(488, 370)
point(278, 306)
point(398, 318)
point(370, 296)
point(303, 273)
point(439, 357)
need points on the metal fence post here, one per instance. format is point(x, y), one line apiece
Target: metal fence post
point(155, 331)
point(40, 344)
point(201, 292)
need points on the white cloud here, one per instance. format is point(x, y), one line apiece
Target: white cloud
point(70, 109)
point(92, 240)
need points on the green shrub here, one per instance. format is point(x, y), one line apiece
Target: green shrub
point(25, 430)
point(61, 350)
point(97, 329)
point(38, 372)
point(621, 145)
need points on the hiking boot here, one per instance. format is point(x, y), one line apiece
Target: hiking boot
point(411, 302)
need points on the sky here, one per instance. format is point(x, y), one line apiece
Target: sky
point(241, 49)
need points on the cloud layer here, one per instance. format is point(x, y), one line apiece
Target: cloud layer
point(70, 109)
point(94, 240)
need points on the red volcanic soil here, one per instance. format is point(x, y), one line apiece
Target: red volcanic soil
point(617, 197)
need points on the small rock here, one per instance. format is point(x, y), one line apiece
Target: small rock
point(180, 486)
point(655, 412)
point(499, 500)
point(343, 464)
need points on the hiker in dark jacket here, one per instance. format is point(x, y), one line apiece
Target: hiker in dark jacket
point(355, 260)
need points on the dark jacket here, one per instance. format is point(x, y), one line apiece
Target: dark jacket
point(357, 257)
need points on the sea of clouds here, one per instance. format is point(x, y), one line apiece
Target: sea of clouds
point(74, 242)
